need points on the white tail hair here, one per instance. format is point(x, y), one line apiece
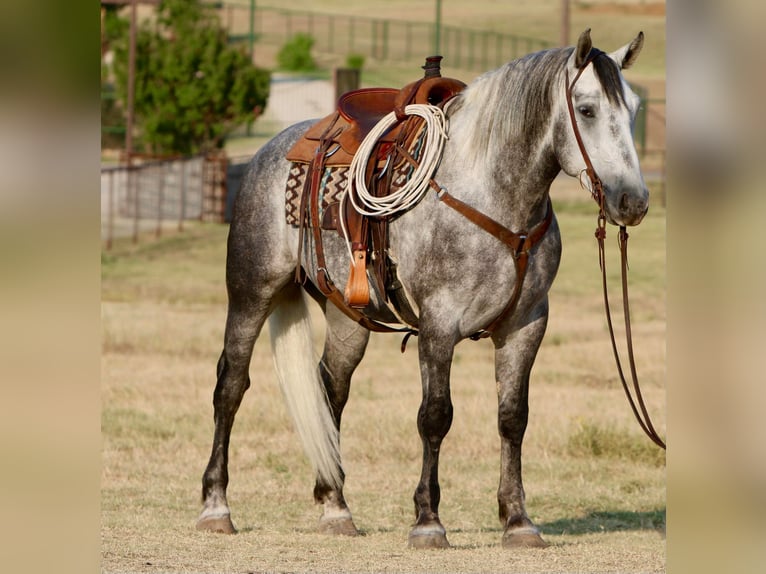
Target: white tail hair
point(298, 372)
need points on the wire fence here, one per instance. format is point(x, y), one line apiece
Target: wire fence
point(150, 196)
point(380, 39)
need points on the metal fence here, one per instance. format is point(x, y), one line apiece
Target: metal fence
point(380, 39)
point(148, 196)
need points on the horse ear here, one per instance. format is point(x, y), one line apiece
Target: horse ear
point(584, 45)
point(627, 55)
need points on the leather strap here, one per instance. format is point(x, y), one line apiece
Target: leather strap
point(644, 420)
point(309, 217)
point(597, 190)
point(520, 244)
point(404, 99)
point(596, 186)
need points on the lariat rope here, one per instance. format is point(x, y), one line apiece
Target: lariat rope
point(406, 197)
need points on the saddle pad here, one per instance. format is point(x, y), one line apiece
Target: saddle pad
point(334, 182)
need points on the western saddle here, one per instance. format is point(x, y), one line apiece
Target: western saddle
point(331, 143)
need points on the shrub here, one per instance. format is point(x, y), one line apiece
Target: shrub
point(355, 61)
point(295, 55)
point(192, 88)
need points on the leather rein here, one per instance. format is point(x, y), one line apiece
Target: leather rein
point(597, 190)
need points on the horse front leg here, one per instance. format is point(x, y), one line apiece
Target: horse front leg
point(345, 344)
point(434, 421)
point(514, 355)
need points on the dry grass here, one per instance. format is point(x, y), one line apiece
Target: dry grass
point(592, 485)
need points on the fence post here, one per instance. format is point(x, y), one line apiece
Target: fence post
point(471, 40)
point(110, 215)
point(374, 35)
point(408, 40)
point(182, 210)
point(330, 33)
point(133, 187)
point(385, 39)
point(459, 47)
point(223, 184)
point(345, 80)
point(160, 194)
point(639, 129)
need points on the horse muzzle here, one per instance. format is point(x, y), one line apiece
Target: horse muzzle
point(627, 207)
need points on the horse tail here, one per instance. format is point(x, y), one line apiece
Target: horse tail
point(298, 372)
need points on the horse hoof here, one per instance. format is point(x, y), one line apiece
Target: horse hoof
point(426, 541)
point(338, 527)
point(523, 538)
point(220, 524)
point(428, 537)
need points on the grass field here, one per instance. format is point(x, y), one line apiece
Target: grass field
point(594, 484)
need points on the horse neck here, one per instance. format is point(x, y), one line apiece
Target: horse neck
point(514, 171)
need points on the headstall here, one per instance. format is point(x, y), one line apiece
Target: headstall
point(597, 190)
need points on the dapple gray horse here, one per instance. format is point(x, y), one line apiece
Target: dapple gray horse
point(510, 133)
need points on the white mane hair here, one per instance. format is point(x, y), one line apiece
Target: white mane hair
point(510, 105)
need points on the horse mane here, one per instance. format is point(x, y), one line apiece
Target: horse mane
point(512, 104)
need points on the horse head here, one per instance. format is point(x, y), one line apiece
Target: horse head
point(602, 111)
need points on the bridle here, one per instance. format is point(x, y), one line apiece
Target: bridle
point(597, 190)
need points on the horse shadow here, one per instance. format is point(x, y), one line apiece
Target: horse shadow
point(607, 521)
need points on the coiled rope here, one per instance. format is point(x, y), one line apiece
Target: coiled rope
point(406, 197)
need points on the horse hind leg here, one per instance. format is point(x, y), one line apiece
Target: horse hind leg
point(514, 356)
point(345, 344)
point(242, 328)
point(292, 347)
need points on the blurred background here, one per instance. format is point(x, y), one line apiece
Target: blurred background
point(298, 59)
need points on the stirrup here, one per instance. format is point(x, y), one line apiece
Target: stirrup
point(357, 291)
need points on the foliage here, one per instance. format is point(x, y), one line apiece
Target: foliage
point(112, 119)
point(191, 87)
point(114, 27)
point(112, 113)
point(295, 54)
point(355, 61)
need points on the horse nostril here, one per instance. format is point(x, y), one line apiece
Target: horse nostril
point(631, 203)
point(624, 202)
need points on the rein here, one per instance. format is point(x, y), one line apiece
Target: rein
point(597, 190)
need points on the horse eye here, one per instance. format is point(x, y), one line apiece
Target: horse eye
point(587, 111)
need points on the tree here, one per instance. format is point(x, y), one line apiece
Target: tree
point(191, 87)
